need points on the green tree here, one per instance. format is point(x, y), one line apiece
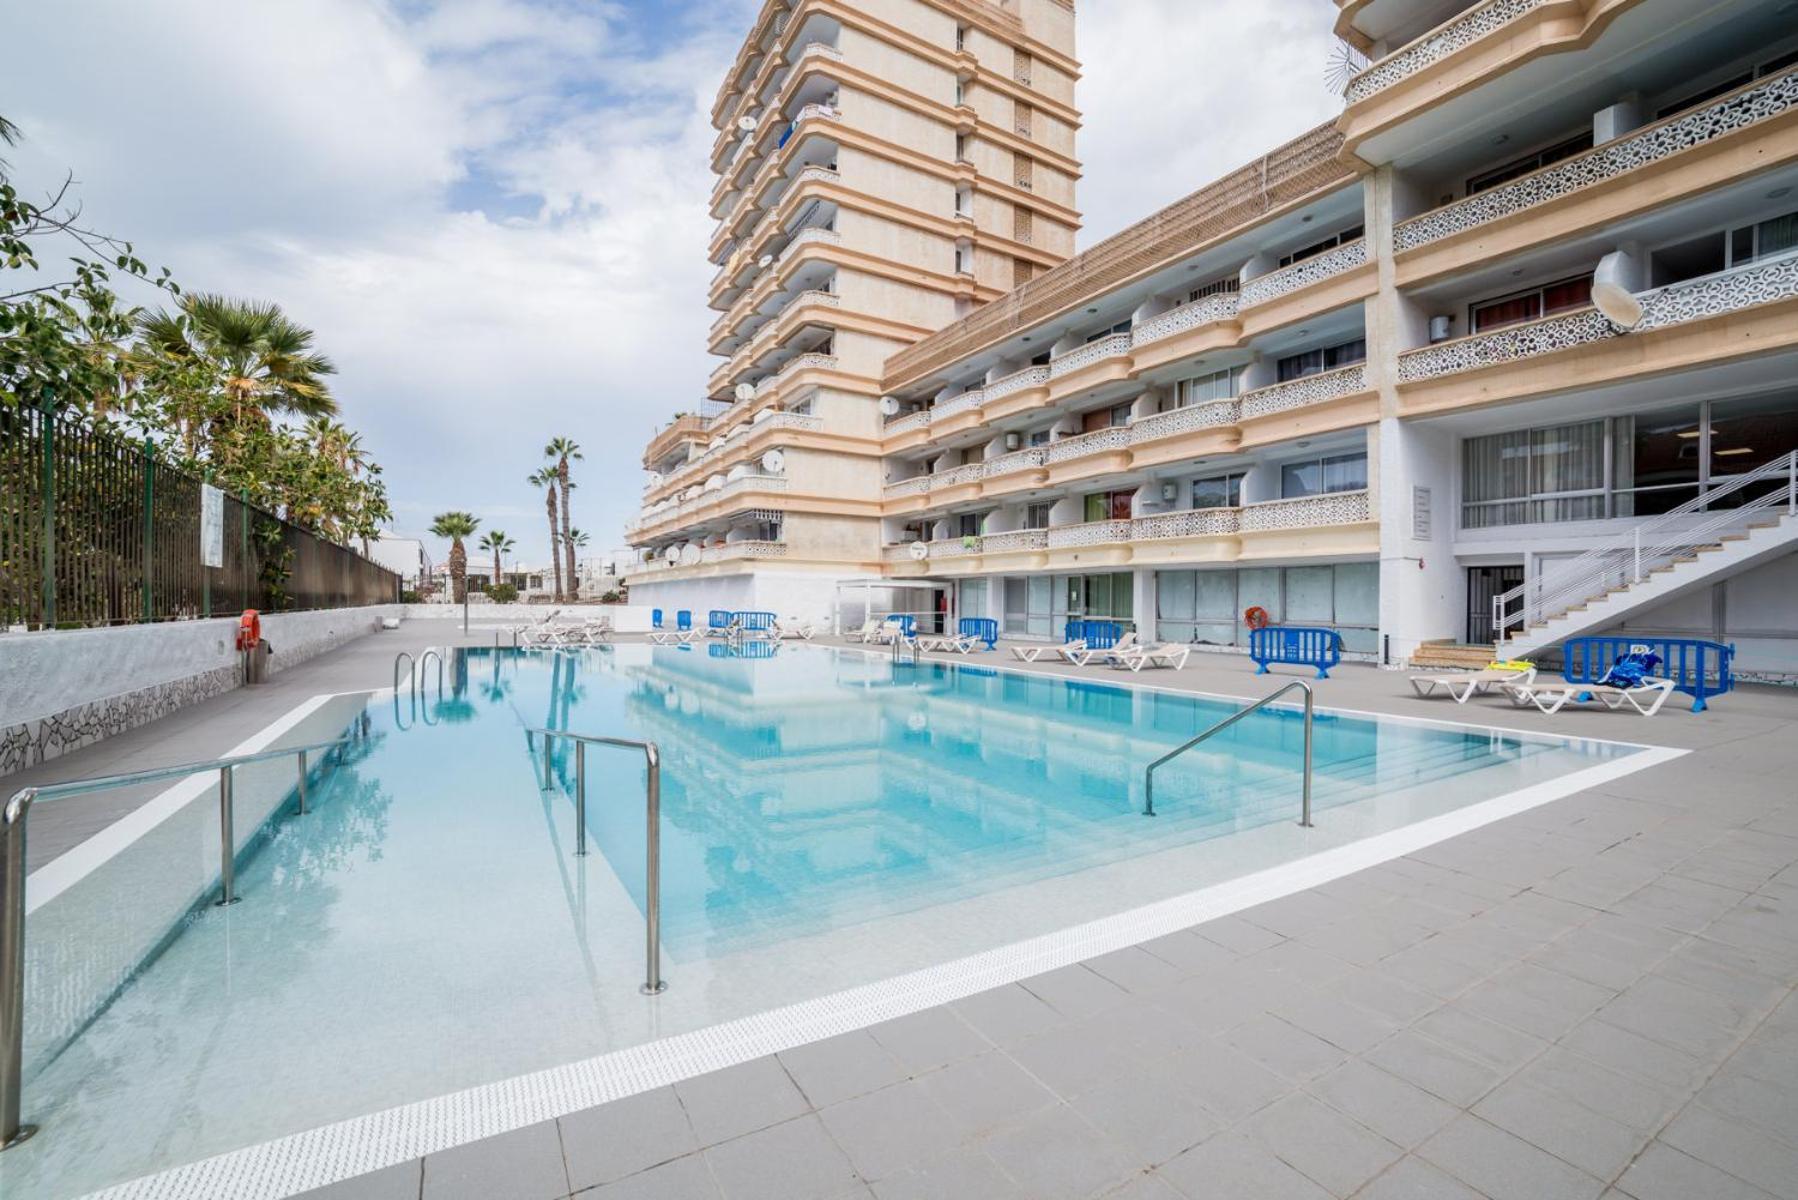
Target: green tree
point(546, 479)
point(499, 543)
point(455, 526)
point(561, 450)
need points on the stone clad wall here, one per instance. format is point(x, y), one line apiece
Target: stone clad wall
point(61, 690)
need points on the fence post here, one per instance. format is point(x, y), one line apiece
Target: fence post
point(47, 492)
point(243, 508)
point(149, 527)
point(206, 571)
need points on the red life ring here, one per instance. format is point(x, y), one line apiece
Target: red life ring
point(1256, 617)
point(249, 630)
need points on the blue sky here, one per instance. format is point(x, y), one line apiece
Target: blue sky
point(493, 211)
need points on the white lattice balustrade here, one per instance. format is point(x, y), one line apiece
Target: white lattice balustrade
point(1174, 422)
point(1717, 295)
point(1220, 306)
point(1017, 460)
point(1311, 389)
point(1750, 106)
point(1097, 442)
point(1015, 540)
point(1442, 42)
point(1548, 336)
point(966, 402)
point(1304, 273)
point(1091, 533)
point(955, 476)
point(917, 485)
point(1017, 381)
point(1110, 346)
point(909, 422)
point(1335, 508)
point(1197, 522)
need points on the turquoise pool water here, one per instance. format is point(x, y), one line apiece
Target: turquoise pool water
point(829, 818)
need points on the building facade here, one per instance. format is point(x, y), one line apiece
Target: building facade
point(1506, 350)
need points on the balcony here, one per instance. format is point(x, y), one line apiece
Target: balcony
point(708, 502)
point(1305, 273)
point(721, 455)
point(1206, 310)
point(1308, 512)
point(1311, 404)
point(1111, 346)
point(1756, 300)
point(1688, 143)
point(1018, 462)
point(1439, 45)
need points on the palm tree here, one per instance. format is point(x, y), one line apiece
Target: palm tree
point(455, 526)
point(499, 543)
point(546, 479)
point(562, 450)
point(261, 362)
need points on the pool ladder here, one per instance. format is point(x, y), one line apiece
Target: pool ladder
point(13, 820)
point(1148, 779)
point(416, 683)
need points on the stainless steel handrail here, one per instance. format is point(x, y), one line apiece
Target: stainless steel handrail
point(418, 675)
point(654, 984)
point(13, 818)
point(1148, 809)
point(396, 669)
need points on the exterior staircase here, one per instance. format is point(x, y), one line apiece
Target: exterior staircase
point(1724, 531)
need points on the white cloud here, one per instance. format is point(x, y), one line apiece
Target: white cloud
point(493, 211)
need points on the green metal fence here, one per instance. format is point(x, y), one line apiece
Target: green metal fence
point(95, 529)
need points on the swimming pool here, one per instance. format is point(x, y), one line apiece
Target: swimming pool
point(830, 819)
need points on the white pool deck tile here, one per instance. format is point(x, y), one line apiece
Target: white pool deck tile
point(1591, 997)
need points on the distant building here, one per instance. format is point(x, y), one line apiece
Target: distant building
point(404, 556)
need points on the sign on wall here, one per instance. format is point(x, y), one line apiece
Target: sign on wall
point(1422, 527)
point(212, 526)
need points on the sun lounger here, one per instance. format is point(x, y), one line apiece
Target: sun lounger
point(1087, 654)
point(1646, 698)
point(1167, 655)
point(1463, 684)
point(1032, 654)
point(794, 629)
point(948, 643)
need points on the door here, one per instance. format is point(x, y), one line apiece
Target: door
point(1483, 583)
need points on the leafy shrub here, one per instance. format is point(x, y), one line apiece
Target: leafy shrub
point(408, 596)
point(504, 593)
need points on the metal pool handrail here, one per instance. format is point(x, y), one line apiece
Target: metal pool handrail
point(417, 673)
point(12, 893)
point(1148, 809)
point(654, 984)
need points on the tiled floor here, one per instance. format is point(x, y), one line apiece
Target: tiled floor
point(1591, 999)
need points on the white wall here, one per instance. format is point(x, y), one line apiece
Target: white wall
point(1423, 588)
point(625, 618)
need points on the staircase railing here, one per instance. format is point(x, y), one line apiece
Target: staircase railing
point(1148, 776)
point(1632, 555)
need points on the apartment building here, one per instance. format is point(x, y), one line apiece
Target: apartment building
point(1506, 350)
point(884, 168)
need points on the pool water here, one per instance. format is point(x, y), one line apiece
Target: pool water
point(829, 818)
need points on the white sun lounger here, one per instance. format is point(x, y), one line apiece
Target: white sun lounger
point(1032, 654)
point(1165, 655)
point(793, 629)
point(1646, 699)
point(1086, 654)
point(1470, 683)
point(948, 643)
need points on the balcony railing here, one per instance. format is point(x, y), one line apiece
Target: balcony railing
point(1210, 415)
point(805, 362)
point(738, 550)
point(695, 468)
point(1192, 522)
point(1219, 306)
point(1014, 541)
point(917, 485)
point(1308, 390)
point(1676, 304)
point(908, 422)
point(1117, 437)
point(965, 402)
point(1091, 533)
point(1017, 460)
point(1110, 346)
point(1017, 381)
point(1444, 41)
point(1333, 508)
point(1751, 105)
point(1305, 272)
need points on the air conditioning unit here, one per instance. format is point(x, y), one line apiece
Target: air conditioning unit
point(1439, 328)
point(1013, 440)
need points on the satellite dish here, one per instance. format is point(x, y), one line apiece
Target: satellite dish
point(745, 391)
point(920, 551)
point(689, 554)
point(747, 124)
point(671, 554)
point(773, 462)
point(765, 261)
point(889, 406)
point(1611, 294)
point(655, 477)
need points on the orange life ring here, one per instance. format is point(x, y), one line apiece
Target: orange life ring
point(1255, 617)
point(249, 630)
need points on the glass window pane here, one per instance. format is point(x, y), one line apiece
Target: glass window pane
point(1658, 464)
point(1098, 595)
point(1310, 595)
point(1123, 595)
point(1751, 432)
point(1096, 507)
point(1175, 594)
point(1345, 473)
point(1301, 479)
point(1259, 587)
point(1778, 235)
point(1039, 595)
point(1216, 597)
point(1358, 594)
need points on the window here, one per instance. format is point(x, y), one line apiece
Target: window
point(1206, 607)
point(1534, 161)
point(1326, 358)
point(1531, 304)
point(1724, 249)
point(1121, 327)
point(1554, 473)
point(1022, 226)
point(1105, 418)
point(1352, 233)
point(1228, 284)
point(1771, 67)
point(1218, 491)
point(1320, 476)
point(1024, 172)
point(962, 146)
point(967, 525)
point(1036, 516)
point(1109, 506)
point(1021, 62)
point(961, 37)
point(964, 259)
point(1202, 389)
point(1038, 437)
point(1024, 118)
point(964, 201)
point(961, 93)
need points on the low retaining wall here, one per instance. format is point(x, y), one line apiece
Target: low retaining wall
point(64, 689)
point(625, 618)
